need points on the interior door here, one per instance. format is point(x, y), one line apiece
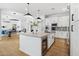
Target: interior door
point(74, 32)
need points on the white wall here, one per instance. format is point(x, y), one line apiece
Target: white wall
point(61, 21)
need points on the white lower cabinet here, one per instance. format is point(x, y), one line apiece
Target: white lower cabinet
point(61, 34)
point(50, 39)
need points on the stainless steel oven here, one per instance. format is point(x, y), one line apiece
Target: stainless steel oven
point(53, 26)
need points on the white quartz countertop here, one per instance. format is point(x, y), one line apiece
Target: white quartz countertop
point(40, 35)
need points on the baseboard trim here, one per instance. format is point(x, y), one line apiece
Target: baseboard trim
point(23, 52)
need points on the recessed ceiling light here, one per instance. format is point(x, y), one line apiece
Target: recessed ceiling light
point(6, 16)
point(52, 8)
point(14, 13)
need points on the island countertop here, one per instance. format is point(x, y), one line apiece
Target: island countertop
point(39, 35)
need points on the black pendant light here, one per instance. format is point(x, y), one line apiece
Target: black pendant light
point(38, 18)
point(28, 10)
point(38, 14)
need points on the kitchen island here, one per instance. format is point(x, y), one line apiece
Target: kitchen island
point(34, 44)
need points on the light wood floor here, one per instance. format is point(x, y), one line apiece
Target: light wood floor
point(59, 48)
point(10, 47)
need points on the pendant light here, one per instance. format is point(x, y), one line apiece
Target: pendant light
point(28, 10)
point(38, 14)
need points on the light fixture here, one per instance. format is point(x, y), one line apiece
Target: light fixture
point(38, 14)
point(52, 8)
point(14, 13)
point(28, 10)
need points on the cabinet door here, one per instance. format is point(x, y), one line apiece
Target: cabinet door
point(50, 39)
point(74, 37)
point(74, 14)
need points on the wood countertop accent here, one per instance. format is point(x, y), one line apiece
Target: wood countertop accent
point(39, 35)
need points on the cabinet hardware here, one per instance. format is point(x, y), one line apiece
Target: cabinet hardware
point(72, 28)
point(72, 17)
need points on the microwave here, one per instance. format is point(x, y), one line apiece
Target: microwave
point(53, 26)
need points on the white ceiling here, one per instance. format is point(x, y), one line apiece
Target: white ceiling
point(45, 8)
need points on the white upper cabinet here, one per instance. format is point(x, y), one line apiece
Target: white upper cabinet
point(63, 21)
point(75, 12)
point(75, 17)
point(54, 19)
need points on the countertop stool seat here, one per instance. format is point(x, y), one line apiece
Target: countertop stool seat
point(4, 36)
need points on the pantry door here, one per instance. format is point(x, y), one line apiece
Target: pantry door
point(74, 30)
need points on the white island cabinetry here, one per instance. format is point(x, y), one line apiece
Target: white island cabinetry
point(30, 45)
point(35, 44)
